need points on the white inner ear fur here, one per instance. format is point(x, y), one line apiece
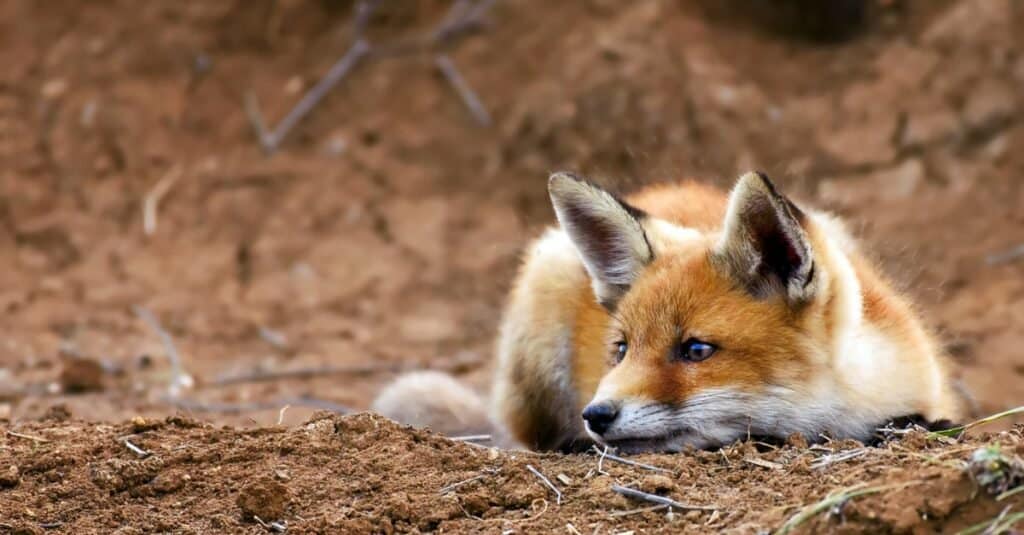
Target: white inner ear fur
point(737, 241)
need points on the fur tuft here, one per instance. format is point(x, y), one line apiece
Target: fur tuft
point(436, 401)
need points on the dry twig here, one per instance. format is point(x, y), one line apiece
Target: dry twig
point(152, 200)
point(465, 92)
point(548, 483)
point(605, 455)
point(179, 379)
point(660, 500)
point(136, 450)
point(27, 437)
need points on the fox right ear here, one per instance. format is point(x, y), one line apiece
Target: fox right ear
point(606, 231)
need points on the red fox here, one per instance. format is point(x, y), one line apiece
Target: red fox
point(681, 317)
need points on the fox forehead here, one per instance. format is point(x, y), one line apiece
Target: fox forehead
point(687, 291)
point(680, 296)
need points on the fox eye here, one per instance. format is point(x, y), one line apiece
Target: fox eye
point(620, 351)
point(694, 350)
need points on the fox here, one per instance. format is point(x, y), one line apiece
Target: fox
point(682, 316)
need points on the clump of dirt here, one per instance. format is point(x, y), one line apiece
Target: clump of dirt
point(363, 473)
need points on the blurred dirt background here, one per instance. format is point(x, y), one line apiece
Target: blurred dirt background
point(384, 232)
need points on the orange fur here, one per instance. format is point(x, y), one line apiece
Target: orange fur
point(682, 294)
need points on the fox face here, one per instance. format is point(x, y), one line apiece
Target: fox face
point(712, 336)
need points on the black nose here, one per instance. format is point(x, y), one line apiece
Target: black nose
point(599, 416)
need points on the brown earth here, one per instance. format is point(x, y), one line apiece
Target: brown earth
point(384, 233)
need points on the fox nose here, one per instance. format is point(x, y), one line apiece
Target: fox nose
point(599, 416)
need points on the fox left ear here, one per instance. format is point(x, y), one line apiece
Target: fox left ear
point(764, 245)
point(605, 230)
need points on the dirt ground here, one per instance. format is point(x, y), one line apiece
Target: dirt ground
point(384, 232)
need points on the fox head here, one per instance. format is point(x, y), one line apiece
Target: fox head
point(712, 336)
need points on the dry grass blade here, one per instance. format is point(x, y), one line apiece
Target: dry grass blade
point(1009, 493)
point(660, 500)
point(834, 499)
point(957, 431)
point(998, 525)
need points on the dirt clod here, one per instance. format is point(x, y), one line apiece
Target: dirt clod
point(265, 498)
point(10, 477)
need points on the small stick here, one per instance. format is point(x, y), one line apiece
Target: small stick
point(617, 514)
point(600, 461)
point(616, 458)
point(661, 500)
point(274, 338)
point(466, 93)
point(276, 527)
point(473, 438)
point(152, 200)
point(179, 379)
point(1005, 256)
point(280, 414)
point(826, 460)
point(27, 437)
point(336, 74)
point(763, 463)
point(137, 450)
point(448, 488)
point(550, 485)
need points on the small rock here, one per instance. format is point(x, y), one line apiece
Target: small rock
point(53, 89)
point(10, 478)
point(168, 482)
point(693, 515)
point(80, 374)
point(264, 498)
point(657, 484)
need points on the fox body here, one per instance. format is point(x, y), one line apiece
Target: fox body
point(684, 316)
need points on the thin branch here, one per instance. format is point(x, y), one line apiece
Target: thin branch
point(548, 483)
point(661, 500)
point(336, 74)
point(179, 379)
point(27, 437)
point(448, 488)
point(462, 88)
